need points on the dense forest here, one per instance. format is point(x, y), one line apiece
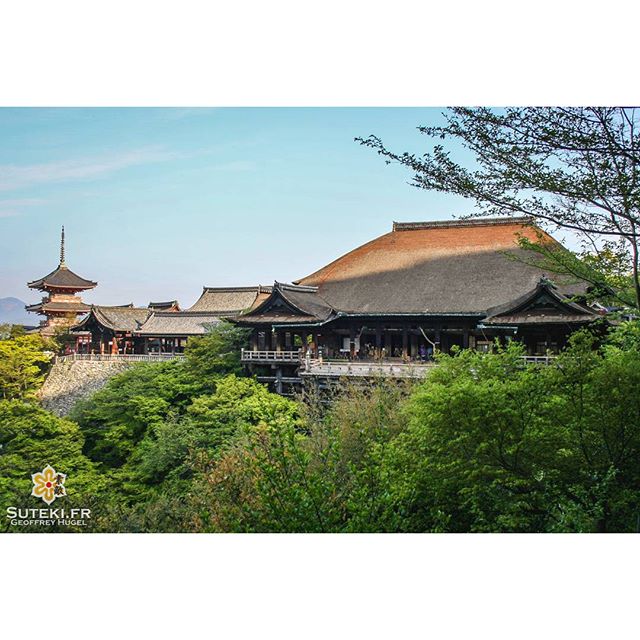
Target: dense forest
point(485, 443)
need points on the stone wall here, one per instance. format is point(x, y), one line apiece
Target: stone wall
point(70, 381)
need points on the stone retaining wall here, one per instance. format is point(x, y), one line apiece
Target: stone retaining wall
point(71, 381)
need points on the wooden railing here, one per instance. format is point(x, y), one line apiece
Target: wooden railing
point(270, 356)
point(539, 359)
point(122, 357)
point(366, 369)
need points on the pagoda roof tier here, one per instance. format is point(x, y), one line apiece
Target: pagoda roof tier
point(230, 301)
point(62, 278)
point(54, 306)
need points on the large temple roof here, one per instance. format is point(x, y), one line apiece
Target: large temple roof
point(445, 267)
point(229, 301)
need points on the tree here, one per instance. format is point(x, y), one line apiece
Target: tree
point(117, 417)
point(23, 364)
point(218, 352)
point(160, 483)
point(8, 331)
point(32, 438)
point(496, 445)
point(313, 472)
point(572, 168)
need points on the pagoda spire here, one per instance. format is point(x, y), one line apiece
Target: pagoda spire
point(62, 264)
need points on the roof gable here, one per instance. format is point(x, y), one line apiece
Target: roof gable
point(126, 318)
point(544, 304)
point(291, 303)
point(229, 301)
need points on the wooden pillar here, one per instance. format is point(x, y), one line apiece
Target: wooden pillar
point(352, 341)
point(465, 339)
point(405, 342)
point(378, 341)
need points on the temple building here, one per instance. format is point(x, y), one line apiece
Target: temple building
point(425, 286)
point(385, 307)
point(61, 305)
point(161, 327)
point(110, 329)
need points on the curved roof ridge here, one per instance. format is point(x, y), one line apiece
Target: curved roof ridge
point(286, 286)
point(260, 288)
point(460, 222)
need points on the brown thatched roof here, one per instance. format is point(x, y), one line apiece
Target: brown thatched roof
point(126, 318)
point(178, 323)
point(62, 278)
point(164, 306)
point(445, 267)
point(230, 301)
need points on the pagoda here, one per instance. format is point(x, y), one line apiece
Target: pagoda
point(61, 305)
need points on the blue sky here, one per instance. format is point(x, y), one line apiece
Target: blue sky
point(159, 202)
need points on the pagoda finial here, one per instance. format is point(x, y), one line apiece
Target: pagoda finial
point(62, 248)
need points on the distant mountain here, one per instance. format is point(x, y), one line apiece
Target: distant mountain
point(12, 312)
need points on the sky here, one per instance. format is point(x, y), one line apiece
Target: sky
point(158, 203)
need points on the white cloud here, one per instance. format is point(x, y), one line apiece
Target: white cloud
point(9, 208)
point(14, 176)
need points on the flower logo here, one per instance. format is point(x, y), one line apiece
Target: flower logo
point(48, 484)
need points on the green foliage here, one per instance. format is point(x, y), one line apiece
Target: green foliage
point(30, 439)
point(116, 418)
point(8, 331)
point(23, 364)
point(164, 468)
point(483, 443)
point(606, 268)
point(486, 443)
point(216, 353)
point(314, 474)
point(493, 445)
